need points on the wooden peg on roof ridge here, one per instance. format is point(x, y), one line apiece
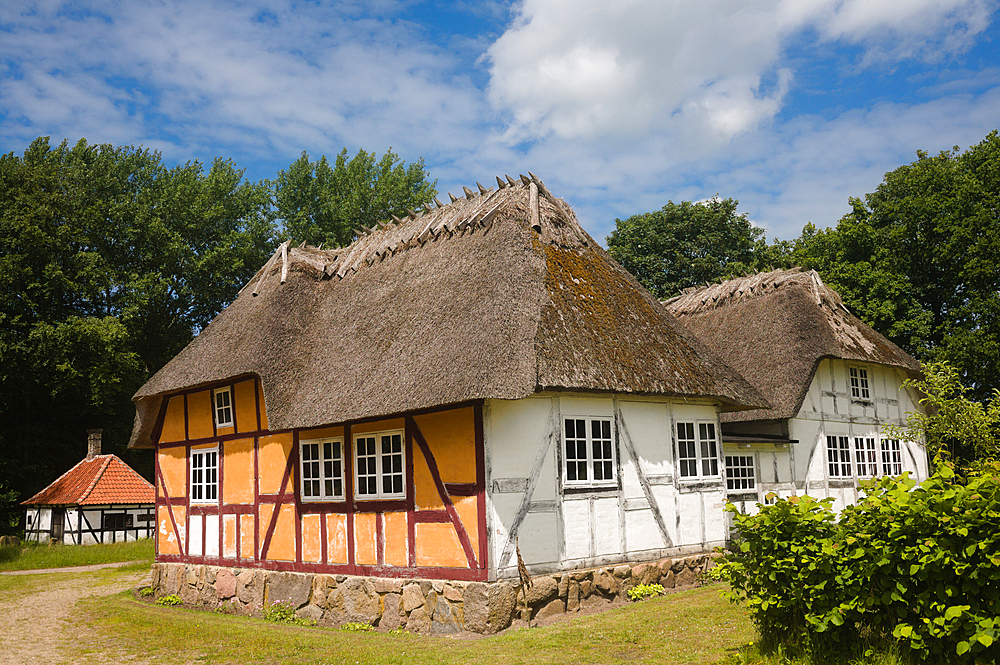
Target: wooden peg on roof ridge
point(482, 190)
point(452, 197)
point(303, 245)
point(397, 219)
point(411, 213)
point(500, 183)
point(525, 179)
point(439, 204)
point(359, 233)
point(510, 180)
point(468, 192)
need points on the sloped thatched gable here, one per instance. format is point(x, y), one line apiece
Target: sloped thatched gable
point(775, 327)
point(496, 295)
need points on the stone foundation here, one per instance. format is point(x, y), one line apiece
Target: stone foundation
point(426, 606)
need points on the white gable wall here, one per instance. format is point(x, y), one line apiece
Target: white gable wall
point(829, 409)
point(648, 512)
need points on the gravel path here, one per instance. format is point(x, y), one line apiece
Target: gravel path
point(36, 621)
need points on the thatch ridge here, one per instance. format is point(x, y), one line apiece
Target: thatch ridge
point(494, 296)
point(775, 327)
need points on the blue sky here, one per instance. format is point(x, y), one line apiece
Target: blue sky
point(790, 106)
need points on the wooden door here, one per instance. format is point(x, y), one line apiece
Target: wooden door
point(58, 519)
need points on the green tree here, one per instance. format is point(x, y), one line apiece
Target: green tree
point(324, 204)
point(917, 259)
point(110, 262)
point(687, 244)
point(953, 426)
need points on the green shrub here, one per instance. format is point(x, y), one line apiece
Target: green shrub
point(644, 591)
point(357, 627)
point(284, 612)
point(170, 600)
point(918, 565)
point(147, 591)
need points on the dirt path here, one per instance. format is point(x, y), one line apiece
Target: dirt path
point(36, 616)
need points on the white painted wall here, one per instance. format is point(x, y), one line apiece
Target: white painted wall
point(77, 523)
point(649, 514)
point(829, 409)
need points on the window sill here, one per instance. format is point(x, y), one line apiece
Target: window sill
point(590, 489)
point(687, 485)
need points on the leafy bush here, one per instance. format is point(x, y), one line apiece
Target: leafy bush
point(644, 591)
point(357, 627)
point(170, 600)
point(147, 591)
point(918, 565)
point(284, 612)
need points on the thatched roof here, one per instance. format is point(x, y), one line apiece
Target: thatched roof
point(775, 327)
point(496, 295)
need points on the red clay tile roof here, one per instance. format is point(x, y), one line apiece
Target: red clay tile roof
point(100, 480)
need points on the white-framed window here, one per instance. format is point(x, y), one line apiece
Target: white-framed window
point(322, 465)
point(222, 399)
point(859, 383)
point(892, 457)
point(740, 473)
point(590, 451)
point(205, 475)
point(838, 456)
point(865, 457)
point(698, 457)
point(379, 459)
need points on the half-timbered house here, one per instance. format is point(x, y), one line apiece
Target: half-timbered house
point(833, 384)
point(100, 500)
point(476, 376)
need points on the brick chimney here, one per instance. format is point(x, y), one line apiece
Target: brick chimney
point(93, 443)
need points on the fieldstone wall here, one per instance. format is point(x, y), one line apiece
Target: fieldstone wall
point(426, 606)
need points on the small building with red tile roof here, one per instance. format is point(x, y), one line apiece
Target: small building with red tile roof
point(100, 500)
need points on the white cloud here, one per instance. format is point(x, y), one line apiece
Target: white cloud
point(590, 69)
point(264, 77)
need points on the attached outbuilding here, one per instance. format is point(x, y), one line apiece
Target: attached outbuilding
point(832, 382)
point(476, 378)
point(100, 500)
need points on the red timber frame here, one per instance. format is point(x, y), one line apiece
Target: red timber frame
point(477, 560)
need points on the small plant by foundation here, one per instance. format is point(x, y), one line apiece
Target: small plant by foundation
point(644, 591)
point(232, 606)
point(147, 591)
point(169, 601)
point(283, 612)
point(357, 627)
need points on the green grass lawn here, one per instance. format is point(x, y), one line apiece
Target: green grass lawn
point(27, 557)
point(695, 626)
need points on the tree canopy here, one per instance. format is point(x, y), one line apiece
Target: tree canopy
point(687, 244)
point(324, 204)
point(917, 259)
point(111, 262)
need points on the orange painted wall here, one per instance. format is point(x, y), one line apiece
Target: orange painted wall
point(469, 516)
point(438, 545)
point(312, 538)
point(200, 415)
point(395, 539)
point(229, 536)
point(173, 468)
point(451, 436)
point(246, 406)
point(173, 421)
point(273, 456)
point(283, 540)
point(166, 539)
point(238, 478)
point(336, 538)
point(364, 539)
point(378, 426)
point(425, 494)
point(246, 537)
